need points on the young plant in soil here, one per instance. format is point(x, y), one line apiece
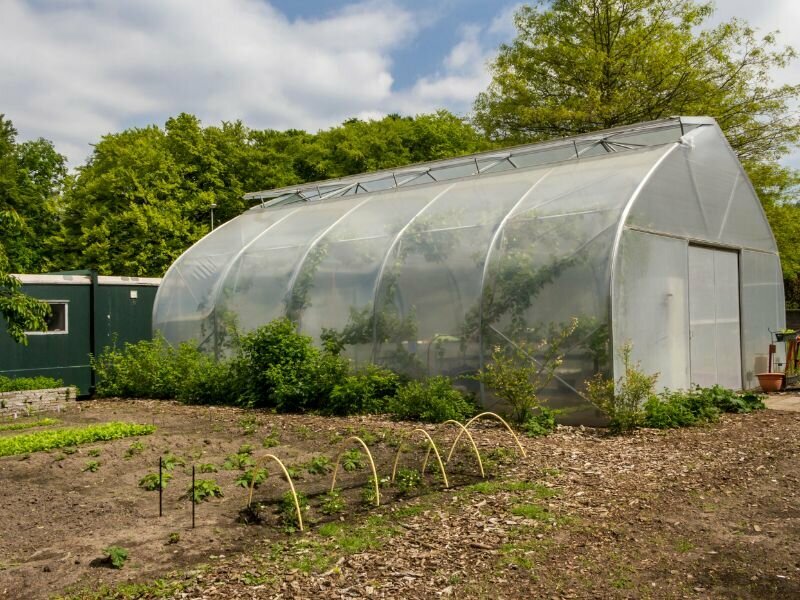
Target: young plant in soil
point(92, 466)
point(116, 556)
point(353, 460)
point(150, 481)
point(272, 440)
point(332, 502)
point(170, 461)
point(135, 448)
point(237, 461)
point(288, 513)
point(319, 465)
point(206, 468)
point(203, 490)
point(252, 476)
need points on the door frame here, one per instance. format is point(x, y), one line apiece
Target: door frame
point(738, 253)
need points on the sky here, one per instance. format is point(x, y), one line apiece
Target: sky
point(73, 70)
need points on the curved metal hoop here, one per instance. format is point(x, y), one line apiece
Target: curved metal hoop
point(261, 461)
point(371, 464)
point(471, 441)
point(495, 416)
point(431, 444)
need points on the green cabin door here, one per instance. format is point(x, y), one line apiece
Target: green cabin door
point(714, 323)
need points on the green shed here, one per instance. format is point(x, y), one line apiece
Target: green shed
point(88, 313)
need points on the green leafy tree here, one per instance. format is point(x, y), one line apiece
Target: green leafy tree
point(28, 173)
point(581, 65)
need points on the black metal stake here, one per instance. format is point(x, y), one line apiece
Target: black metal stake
point(160, 487)
point(193, 497)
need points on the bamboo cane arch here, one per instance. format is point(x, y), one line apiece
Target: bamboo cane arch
point(471, 441)
point(261, 461)
point(432, 444)
point(495, 416)
point(371, 464)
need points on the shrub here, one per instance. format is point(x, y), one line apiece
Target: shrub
point(699, 405)
point(540, 424)
point(622, 402)
point(367, 392)
point(60, 438)
point(668, 410)
point(432, 400)
point(21, 384)
point(146, 369)
point(212, 382)
point(116, 555)
point(516, 376)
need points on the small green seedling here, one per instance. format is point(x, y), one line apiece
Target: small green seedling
point(252, 476)
point(353, 460)
point(203, 490)
point(295, 472)
point(116, 555)
point(207, 468)
point(288, 512)
point(249, 425)
point(170, 461)
point(237, 461)
point(407, 480)
point(368, 495)
point(174, 538)
point(150, 481)
point(135, 448)
point(92, 466)
point(272, 440)
point(303, 432)
point(319, 465)
point(69, 450)
point(94, 452)
point(332, 502)
point(245, 449)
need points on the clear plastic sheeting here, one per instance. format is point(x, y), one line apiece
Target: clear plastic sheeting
point(429, 269)
point(651, 306)
point(763, 310)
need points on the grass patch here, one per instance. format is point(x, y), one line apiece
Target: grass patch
point(29, 424)
point(535, 512)
point(48, 440)
point(493, 487)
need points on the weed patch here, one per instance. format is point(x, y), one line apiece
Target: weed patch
point(29, 424)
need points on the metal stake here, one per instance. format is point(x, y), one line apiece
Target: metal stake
point(160, 487)
point(193, 497)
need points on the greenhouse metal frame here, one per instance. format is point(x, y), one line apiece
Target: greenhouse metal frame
point(649, 236)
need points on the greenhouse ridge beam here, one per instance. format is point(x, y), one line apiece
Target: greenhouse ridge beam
point(610, 141)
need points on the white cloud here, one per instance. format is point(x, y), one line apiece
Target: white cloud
point(74, 71)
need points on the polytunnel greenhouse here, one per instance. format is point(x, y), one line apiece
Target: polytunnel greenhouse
point(649, 235)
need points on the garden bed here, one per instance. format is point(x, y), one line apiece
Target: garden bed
point(706, 511)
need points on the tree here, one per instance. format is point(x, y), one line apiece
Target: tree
point(146, 193)
point(581, 65)
point(27, 175)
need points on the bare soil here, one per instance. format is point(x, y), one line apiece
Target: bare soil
point(710, 512)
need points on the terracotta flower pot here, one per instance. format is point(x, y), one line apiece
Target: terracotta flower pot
point(770, 382)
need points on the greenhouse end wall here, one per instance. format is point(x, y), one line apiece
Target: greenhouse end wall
point(430, 279)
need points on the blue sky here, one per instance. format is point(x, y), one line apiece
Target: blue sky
point(73, 70)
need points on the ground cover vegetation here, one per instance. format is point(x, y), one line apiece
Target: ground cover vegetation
point(19, 384)
point(145, 194)
point(46, 422)
point(60, 438)
point(632, 402)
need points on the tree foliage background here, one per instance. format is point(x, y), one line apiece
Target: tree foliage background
point(580, 65)
point(145, 194)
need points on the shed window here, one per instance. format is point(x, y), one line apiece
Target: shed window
point(58, 321)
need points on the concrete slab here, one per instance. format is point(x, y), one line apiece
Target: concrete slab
point(781, 402)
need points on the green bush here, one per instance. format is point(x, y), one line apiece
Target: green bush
point(622, 402)
point(432, 400)
point(367, 392)
point(59, 438)
point(285, 370)
point(147, 369)
point(212, 382)
point(697, 406)
point(543, 423)
point(21, 384)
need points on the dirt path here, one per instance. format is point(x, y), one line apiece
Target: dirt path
point(701, 512)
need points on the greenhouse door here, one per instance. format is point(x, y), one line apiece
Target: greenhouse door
point(714, 317)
